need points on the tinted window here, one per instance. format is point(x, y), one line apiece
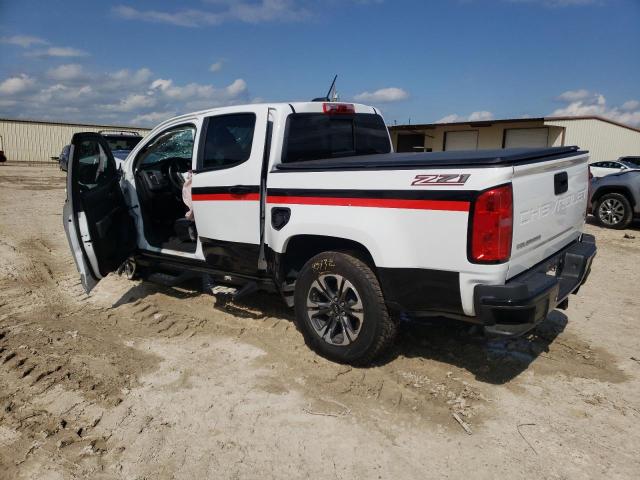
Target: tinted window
point(311, 136)
point(122, 143)
point(633, 162)
point(229, 139)
point(176, 142)
point(93, 165)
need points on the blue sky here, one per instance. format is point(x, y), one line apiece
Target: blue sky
point(139, 62)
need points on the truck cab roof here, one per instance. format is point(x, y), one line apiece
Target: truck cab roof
point(295, 107)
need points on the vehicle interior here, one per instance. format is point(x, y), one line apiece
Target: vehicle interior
point(160, 172)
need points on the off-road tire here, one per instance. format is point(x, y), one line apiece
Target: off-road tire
point(618, 199)
point(378, 330)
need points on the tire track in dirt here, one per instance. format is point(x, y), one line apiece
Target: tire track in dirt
point(68, 361)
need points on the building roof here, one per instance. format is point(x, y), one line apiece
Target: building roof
point(593, 117)
point(69, 124)
point(487, 123)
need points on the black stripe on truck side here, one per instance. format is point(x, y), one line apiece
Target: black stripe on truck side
point(225, 189)
point(453, 195)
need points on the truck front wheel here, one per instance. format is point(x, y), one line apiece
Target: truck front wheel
point(340, 309)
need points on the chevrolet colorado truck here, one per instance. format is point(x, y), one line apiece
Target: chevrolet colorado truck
point(309, 201)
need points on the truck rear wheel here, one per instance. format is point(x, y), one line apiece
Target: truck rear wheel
point(613, 210)
point(340, 309)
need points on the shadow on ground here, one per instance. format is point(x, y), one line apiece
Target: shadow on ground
point(634, 225)
point(490, 360)
point(494, 361)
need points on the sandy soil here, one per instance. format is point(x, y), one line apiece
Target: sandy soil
point(142, 381)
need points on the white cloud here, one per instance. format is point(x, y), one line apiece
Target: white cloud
point(160, 83)
point(595, 104)
point(237, 87)
point(58, 52)
point(183, 18)
point(383, 95)
point(216, 67)
point(24, 41)
point(72, 93)
point(152, 118)
point(479, 116)
point(14, 85)
point(137, 77)
point(133, 102)
point(630, 105)
point(573, 95)
point(451, 118)
point(221, 11)
point(71, 71)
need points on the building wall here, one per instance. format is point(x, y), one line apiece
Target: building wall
point(604, 140)
point(489, 137)
point(25, 141)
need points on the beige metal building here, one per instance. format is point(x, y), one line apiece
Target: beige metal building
point(36, 141)
point(604, 138)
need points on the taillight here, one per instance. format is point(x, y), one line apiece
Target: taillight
point(338, 108)
point(590, 174)
point(492, 226)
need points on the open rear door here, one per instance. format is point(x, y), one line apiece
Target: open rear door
point(99, 228)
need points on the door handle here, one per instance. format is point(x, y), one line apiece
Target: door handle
point(560, 183)
point(239, 190)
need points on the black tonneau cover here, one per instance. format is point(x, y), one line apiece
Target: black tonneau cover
point(467, 159)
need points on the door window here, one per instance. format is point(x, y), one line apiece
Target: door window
point(177, 142)
point(94, 168)
point(228, 140)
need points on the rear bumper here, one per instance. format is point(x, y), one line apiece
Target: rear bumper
point(519, 305)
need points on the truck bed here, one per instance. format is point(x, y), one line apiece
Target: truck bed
point(467, 159)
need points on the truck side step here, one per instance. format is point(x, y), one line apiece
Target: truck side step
point(169, 280)
point(247, 289)
point(232, 292)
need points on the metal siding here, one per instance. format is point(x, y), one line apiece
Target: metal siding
point(605, 141)
point(38, 142)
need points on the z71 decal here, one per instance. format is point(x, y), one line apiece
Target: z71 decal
point(441, 180)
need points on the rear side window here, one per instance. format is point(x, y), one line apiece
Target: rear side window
point(122, 142)
point(312, 136)
point(228, 140)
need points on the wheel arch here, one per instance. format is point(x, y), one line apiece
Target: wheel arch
point(298, 249)
point(620, 189)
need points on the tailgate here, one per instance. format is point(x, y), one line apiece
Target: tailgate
point(549, 205)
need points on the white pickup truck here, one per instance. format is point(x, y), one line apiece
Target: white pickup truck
point(308, 200)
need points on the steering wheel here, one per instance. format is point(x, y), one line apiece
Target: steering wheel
point(175, 175)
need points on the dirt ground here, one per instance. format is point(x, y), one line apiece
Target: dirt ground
point(140, 381)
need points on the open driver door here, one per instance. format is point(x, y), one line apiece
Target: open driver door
point(100, 230)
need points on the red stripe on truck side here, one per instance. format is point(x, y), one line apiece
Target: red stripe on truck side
point(448, 205)
point(208, 197)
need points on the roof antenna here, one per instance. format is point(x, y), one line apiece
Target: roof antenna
point(332, 95)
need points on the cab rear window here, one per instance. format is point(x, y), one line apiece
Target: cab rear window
point(313, 136)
